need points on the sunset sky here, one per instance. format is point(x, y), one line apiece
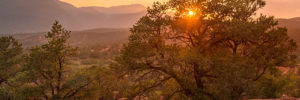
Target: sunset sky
point(278, 8)
point(108, 3)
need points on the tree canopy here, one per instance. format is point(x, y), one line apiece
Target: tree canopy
point(47, 74)
point(10, 57)
point(219, 52)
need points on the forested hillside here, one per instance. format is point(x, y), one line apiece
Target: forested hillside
point(101, 36)
point(104, 36)
point(27, 16)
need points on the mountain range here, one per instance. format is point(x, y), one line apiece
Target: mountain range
point(120, 35)
point(27, 16)
point(293, 26)
point(36, 16)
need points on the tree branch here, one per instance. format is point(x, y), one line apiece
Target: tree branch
point(75, 91)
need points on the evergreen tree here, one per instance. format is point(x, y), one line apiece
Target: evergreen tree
point(47, 74)
point(209, 49)
point(10, 54)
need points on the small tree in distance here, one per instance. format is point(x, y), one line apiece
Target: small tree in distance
point(46, 74)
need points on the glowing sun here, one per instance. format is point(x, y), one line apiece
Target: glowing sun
point(191, 13)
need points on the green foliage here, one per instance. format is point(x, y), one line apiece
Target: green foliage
point(4, 93)
point(270, 86)
point(222, 52)
point(292, 88)
point(47, 74)
point(53, 71)
point(10, 52)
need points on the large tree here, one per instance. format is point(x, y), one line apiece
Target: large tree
point(206, 49)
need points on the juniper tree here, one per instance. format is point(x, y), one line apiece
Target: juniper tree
point(218, 52)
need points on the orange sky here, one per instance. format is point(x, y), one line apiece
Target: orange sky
point(108, 3)
point(278, 8)
point(282, 8)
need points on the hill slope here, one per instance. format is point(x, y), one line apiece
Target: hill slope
point(118, 36)
point(293, 26)
point(122, 9)
point(19, 16)
point(103, 36)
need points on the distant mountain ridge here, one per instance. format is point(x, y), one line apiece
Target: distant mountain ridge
point(293, 26)
point(122, 9)
point(28, 16)
point(32, 16)
point(118, 36)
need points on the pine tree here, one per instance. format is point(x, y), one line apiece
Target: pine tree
point(219, 52)
point(47, 74)
point(10, 59)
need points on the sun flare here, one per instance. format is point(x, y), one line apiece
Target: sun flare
point(191, 13)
